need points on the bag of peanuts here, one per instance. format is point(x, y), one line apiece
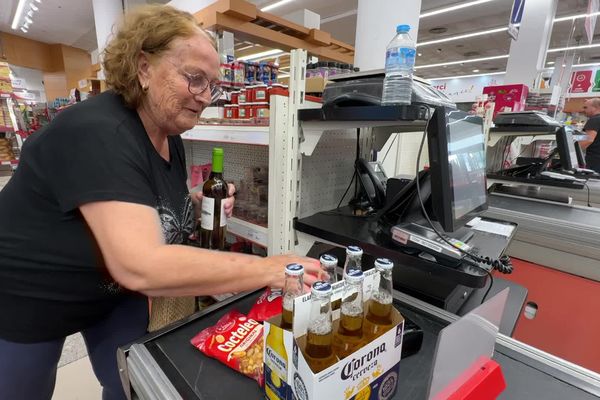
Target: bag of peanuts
point(268, 305)
point(236, 341)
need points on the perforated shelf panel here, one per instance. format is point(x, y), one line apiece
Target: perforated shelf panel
point(237, 157)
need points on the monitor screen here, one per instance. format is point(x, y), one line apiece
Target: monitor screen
point(457, 158)
point(466, 162)
point(566, 148)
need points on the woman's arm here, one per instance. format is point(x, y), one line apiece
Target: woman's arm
point(130, 238)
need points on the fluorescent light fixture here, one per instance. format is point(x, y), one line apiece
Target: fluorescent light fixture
point(585, 46)
point(23, 29)
point(465, 76)
point(453, 8)
point(30, 13)
point(577, 16)
point(587, 65)
point(461, 61)
point(38, 1)
point(26, 25)
point(18, 12)
point(550, 62)
point(275, 5)
point(267, 53)
point(475, 70)
point(33, 7)
point(338, 16)
point(464, 36)
point(29, 20)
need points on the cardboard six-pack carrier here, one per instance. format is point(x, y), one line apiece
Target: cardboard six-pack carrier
point(371, 372)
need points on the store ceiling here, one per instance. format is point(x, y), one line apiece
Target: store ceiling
point(72, 23)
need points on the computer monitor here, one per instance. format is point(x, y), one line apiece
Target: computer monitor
point(457, 167)
point(566, 148)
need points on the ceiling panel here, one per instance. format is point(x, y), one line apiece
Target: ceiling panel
point(71, 22)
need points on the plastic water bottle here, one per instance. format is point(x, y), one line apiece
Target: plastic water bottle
point(399, 63)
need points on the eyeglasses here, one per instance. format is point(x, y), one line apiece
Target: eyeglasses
point(198, 83)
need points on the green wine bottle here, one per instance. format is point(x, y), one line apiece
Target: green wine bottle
point(213, 223)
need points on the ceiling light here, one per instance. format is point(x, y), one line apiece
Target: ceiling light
point(18, 13)
point(453, 8)
point(466, 76)
point(33, 7)
point(585, 46)
point(550, 62)
point(475, 70)
point(461, 61)
point(38, 1)
point(29, 20)
point(26, 25)
point(30, 13)
point(465, 36)
point(577, 16)
point(338, 16)
point(275, 5)
point(419, 54)
point(24, 29)
point(267, 53)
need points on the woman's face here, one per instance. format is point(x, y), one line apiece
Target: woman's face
point(169, 102)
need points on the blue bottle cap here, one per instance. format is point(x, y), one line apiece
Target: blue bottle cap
point(384, 263)
point(354, 250)
point(328, 260)
point(402, 28)
point(354, 276)
point(294, 269)
point(321, 288)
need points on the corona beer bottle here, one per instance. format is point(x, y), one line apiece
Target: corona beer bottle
point(276, 365)
point(318, 351)
point(353, 258)
point(378, 318)
point(349, 335)
point(329, 274)
point(293, 287)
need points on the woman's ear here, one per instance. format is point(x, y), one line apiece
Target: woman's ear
point(143, 69)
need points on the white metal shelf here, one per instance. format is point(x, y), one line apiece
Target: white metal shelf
point(247, 230)
point(256, 135)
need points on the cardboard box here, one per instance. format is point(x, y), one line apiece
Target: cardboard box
point(315, 84)
point(369, 373)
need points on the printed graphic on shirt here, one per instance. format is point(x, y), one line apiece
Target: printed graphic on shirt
point(176, 226)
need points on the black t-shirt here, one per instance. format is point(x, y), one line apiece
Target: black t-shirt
point(53, 280)
point(592, 153)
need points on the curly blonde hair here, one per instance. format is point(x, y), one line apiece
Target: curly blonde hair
point(151, 29)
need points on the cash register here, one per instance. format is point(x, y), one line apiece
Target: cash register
point(430, 215)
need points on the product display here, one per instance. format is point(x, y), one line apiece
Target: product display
point(213, 222)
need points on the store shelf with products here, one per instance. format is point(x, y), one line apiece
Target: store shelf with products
point(256, 135)
point(255, 233)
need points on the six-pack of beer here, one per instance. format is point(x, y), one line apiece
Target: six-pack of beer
point(341, 341)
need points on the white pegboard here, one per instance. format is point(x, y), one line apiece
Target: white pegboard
point(328, 171)
point(237, 157)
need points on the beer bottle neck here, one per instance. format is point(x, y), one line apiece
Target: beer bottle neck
point(294, 285)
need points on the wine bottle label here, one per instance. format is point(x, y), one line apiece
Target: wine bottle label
point(223, 221)
point(208, 213)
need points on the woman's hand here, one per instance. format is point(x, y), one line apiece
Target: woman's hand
point(227, 203)
point(276, 268)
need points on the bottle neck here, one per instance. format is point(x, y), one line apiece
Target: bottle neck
point(353, 295)
point(320, 312)
point(385, 282)
point(217, 164)
point(294, 286)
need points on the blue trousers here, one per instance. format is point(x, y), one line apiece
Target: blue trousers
point(28, 370)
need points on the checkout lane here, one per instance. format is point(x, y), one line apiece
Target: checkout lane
point(529, 373)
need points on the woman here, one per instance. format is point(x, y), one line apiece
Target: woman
point(85, 218)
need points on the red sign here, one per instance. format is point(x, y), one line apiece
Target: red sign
point(581, 81)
